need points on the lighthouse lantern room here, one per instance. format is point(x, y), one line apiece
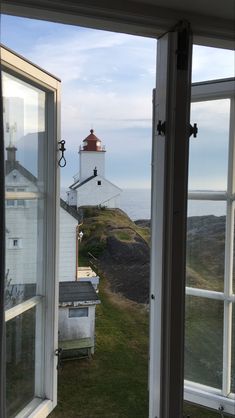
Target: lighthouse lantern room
point(91, 156)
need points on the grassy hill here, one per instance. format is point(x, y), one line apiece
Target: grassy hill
point(122, 249)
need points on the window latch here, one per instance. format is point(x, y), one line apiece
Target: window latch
point(62, 161)
point(58, 353)
point(193, 130)
point(161, 128)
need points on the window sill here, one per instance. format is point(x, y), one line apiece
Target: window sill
point(208, 397)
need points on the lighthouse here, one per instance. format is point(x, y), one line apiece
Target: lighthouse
point(91, 157)
point(92, 188)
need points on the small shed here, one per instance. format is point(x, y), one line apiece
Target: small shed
point(77, 305)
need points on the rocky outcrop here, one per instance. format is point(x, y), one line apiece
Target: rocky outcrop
point(127, 267)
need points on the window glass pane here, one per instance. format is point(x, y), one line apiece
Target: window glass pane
point(212, 63)
point(24, 125)
point(208, 156)
point(20, 359)
point(204, 341)
point(205, 244)
point(78, 312)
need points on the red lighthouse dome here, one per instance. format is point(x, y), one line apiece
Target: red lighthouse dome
point(92, 143)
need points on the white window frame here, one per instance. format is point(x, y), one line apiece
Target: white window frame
point(195, 392)
point(208, 31)
point(46, 300)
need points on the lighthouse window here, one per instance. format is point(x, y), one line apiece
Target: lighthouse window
point(99, 182)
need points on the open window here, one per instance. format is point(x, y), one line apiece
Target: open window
point(209, 327)
point(31, 128)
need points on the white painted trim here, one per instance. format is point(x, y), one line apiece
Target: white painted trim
point(130, 17)
point(213, 90)
point(208, 397)
point(22, 307)
point(19, 65)
point(207, 195)
point(169, 198)
point(47, 312)
point(209, 294)
point(23, 195)
point(37, 408)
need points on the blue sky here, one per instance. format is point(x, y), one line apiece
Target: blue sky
point(107, 81)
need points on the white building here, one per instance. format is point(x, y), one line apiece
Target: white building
point(77, 303)
point(92, 188)
point(23, 218)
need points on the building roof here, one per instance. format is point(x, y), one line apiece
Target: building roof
point(91, 137)
point(15, 165)
point(70, 209)
point(77, 292)
point(77, 184)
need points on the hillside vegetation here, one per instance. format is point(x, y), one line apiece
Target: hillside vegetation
point(121, 248)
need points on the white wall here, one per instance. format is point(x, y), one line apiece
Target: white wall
point(22, 223)
point(106, 194)
point(25, 224)
point(67, 251)
point(72, 197)
point(75, 328)
point(88, 160)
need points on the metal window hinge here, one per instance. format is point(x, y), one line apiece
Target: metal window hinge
point(161, 128)
point(193, 130)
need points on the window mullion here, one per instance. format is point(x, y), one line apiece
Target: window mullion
point(228, 271)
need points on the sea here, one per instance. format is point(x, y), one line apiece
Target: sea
point(137, 204)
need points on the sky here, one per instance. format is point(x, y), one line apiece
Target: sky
point(107, 82)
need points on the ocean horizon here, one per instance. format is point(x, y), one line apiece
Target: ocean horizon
point(137, 204)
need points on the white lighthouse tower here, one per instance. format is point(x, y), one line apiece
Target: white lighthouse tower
point(91, 157)
point(92, 188)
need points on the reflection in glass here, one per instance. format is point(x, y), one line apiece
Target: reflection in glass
point(206, 245)
point(208, 156)
point(24, 126)
point(20, 361)
point(204, 341)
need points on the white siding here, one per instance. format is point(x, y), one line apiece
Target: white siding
point(88, 161)
point(67, 254)
point(75, 328)
point(106, 194)
point(22, 224)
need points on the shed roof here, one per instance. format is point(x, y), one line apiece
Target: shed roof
point(76, 291)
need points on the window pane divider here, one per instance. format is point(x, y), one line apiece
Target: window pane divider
point(207, 195)
point(22, 307)
point(210, 294)
point(23, 195)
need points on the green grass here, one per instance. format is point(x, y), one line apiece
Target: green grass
point(114, 382)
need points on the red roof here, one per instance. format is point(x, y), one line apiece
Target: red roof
point(91, 137)
point(92, 143)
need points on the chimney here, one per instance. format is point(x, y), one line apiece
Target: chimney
point(11, 154)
